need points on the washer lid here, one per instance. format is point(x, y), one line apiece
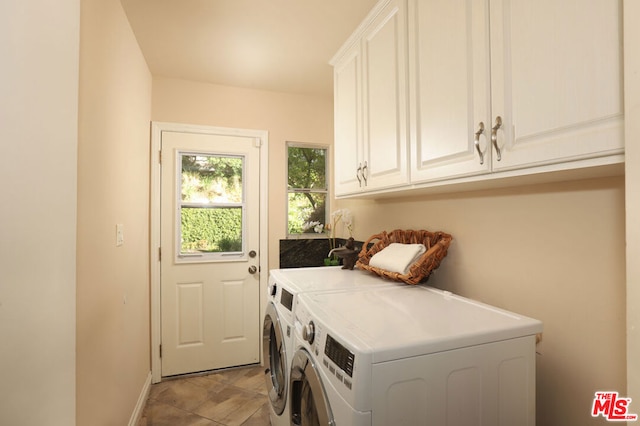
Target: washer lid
point(398, 322)
point(327, 278)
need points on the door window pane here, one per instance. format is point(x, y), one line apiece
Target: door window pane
point(209, 179)
point(211, 230)
point(211, 204)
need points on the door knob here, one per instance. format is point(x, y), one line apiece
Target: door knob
point(253, 269)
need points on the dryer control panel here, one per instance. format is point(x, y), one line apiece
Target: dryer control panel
point(341, 356)
point(332, 356)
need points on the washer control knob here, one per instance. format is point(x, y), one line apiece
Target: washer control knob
point(308, 332)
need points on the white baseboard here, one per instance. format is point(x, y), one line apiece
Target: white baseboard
point(142, 401)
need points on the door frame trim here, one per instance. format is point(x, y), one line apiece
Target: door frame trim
point(262, 136)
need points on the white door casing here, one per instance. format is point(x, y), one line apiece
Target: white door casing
point(217, 337)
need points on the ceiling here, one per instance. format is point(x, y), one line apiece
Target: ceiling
point(277, 45)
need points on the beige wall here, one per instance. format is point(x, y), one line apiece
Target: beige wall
point(554, 252)
point(38, 136)
point(286, 117)
point(113, 350)
point(632, 135)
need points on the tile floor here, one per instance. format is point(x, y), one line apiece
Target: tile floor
point(231, 398)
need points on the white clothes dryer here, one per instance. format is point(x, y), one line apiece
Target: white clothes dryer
point(285, 285)
point(410, 356)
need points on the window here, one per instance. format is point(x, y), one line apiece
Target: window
point(211, 204)
point(307, 188)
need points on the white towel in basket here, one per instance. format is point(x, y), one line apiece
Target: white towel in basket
point(397, 257)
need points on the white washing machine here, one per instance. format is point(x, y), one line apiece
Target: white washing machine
point(276, 348)
point(410, 355)
point(284, 287)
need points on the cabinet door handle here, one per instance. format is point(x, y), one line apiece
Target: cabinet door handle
point(494, 136)
point(476, 141)
point(364, 173)
point(358, 172)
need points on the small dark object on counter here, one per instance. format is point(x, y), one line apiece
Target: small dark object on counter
point(348, 254)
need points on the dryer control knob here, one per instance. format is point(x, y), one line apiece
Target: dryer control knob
point(308, 332)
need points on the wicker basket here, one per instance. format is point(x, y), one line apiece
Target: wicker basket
point(436, 244)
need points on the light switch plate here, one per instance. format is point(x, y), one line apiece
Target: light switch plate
point(119, 234)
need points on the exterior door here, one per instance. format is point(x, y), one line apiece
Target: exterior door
point(209, 237)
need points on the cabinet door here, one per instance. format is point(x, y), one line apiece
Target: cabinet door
point(385, 98)
point(347, 119)
point(556, 77)
point(449, 88)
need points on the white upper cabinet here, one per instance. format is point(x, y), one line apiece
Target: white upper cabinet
point(370, 97)
point(477, 89)
point(449, 88)
point(542, 78)
point(347, 100)
point(556, 79)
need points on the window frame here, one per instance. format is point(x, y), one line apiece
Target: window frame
point(205, 257)
point(326, 190)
